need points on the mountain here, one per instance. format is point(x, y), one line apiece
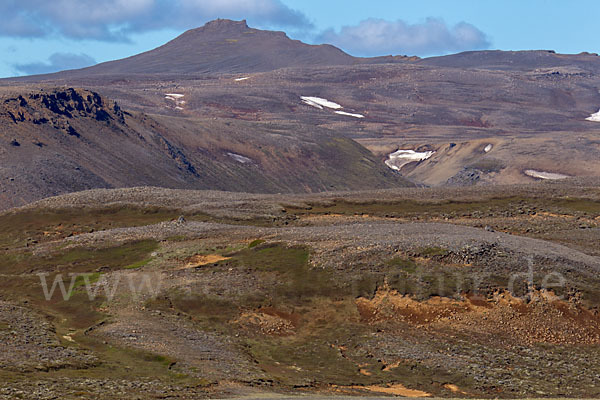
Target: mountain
point(225, 107)
point(226, 46)
point(64, 140)
point(515, 60)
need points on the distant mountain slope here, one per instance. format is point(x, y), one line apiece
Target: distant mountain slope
point(515, 60)
point(66, 140)
point(225, 46)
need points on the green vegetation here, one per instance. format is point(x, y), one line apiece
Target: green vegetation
point(210, 309)
point(83, 280)
point(429, 208)
point(356, 169)
point(272, 257)
point(578, 205)
point(80, 259)
point(255, 243)
point(30, 226)
point(119, 362)
point(433, 252)
point(297, 280)
point(137, 265)
point(405, 264)
point(294, 283)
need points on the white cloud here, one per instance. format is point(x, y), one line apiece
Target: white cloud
point(56, 62)
point(115, 19)
point(378, 37)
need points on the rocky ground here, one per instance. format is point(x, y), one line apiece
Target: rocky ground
point(490, 292)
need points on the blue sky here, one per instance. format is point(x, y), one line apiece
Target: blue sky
point(41, 36)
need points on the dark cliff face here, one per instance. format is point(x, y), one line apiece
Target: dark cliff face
point(58, 108)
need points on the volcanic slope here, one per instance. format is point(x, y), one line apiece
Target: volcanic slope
point(64, 140)
point(226, 46)
point(485, 117)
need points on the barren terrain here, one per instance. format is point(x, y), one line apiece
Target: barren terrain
point(203, 294)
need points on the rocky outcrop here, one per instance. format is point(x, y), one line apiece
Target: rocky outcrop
point(59, 107)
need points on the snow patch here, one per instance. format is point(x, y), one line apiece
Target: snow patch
point(177, 99)
point(319, 102)
point(545, 175)
point(350, 114)
point(400, 158)
point(239, 158)
point(594, 117)
point(242, 79)
point(488, 148)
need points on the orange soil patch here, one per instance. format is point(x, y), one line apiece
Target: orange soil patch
point(552, 215)
point(347, 217)
point(543, 318)
point(454, 388)
point(395, 389)
point(391, 366)
point(200, 260)
point(388, 304)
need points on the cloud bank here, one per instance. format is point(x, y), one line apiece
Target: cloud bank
point(115, 20)
point(373, 37)
point(56, 62)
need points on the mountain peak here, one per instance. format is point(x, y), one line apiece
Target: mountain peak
point(226, 46)
point(224, 25)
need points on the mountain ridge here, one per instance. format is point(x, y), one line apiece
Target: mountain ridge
point(224, 46)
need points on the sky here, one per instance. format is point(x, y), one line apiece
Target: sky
point(40, 36)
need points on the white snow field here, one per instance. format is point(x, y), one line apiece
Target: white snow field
point(242, 79)
point(400, 158)
point(350, 114)
point(545, 175)
point(594, 117)
point(177, 98)
point(239, 158)
point(319, 102)
point(488, 148)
